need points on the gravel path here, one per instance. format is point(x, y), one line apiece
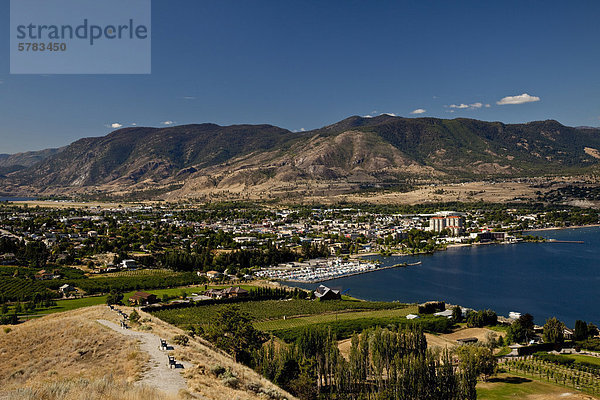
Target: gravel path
point(159, 375)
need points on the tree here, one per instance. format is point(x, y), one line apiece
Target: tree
point(114, 297)
point(134, 317)
point(521, 329)
point(592, 330)
point(554, 331)
point(232, 331)
point(457, 314)
point(181, 340)
point(581, 330)
point(526, 320)
point(305, 385)
point(479, 359)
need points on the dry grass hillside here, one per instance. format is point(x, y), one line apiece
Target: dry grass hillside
point(201, 379)
point(71, 356)
point(67, 355)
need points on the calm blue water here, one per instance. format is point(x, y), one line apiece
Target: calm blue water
point(543, 279)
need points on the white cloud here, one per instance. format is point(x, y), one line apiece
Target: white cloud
point(463, 106)
point(300, 130)
point(367, 116)
point(133, 124)
point(389, 114)
point(116, 125)
point(487, 106)
point(167, 122)
point(520, 99)
point(418, 111)
point(189, 98)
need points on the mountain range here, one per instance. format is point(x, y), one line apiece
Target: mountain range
point(355, 153)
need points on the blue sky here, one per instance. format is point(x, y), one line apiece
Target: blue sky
point(306, 64)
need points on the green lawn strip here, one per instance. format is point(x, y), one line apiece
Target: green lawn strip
point(498, 328)
point(516, 386)
point(290, 323)
point(68, 305)
point(561, 370)
point(585, 359)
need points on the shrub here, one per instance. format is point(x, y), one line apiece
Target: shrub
point(181, 340)
point(272, 394)
point(253, 387)
point(590, 344)
point(431, 307)
point(231, 381)
point(134, 317)
point(217, 370)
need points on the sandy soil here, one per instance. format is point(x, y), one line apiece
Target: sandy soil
point(450, 339)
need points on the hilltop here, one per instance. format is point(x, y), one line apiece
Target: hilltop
point(71, 355)
point(263, 160)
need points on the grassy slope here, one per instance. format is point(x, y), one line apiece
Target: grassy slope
point(273, 309)
point(70, 356)
point(510, 386)
point(586, 359)
point(332, 317)
point(66, 346)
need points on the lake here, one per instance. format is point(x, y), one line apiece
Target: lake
point(543, 279)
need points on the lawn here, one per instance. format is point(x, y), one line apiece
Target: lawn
point(69, 304)
point(509, 386)
point(291, 323)
point(585, 359)
point(265, 310)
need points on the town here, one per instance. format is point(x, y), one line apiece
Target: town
point(277, 243)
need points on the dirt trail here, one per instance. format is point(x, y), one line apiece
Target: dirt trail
point(159, 375)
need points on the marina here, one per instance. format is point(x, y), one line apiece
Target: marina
point(322, 270)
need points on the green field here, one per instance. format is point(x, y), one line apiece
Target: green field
point(72, 304)
point(265, 310)
point(510, 386)
point(287, 319)
point(291, 323)
point(585, 359)
point(66, 305)
point(137, 273)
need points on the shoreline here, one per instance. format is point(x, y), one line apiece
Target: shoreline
point(562, 228)
point(401, 265)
